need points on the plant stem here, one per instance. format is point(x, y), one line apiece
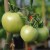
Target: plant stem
point(26, 46)
point(43, 11)
point(8, 41)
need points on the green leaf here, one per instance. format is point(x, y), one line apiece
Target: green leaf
point(13, 6)
point(12, 2)
point(2, 33)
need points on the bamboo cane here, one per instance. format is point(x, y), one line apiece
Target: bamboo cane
point(43, 11)
point(6, 7)
point(44, 19)
point(26, 46)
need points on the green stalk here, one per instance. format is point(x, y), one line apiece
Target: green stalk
point(43, 12)
point(8, 40)
point(31, 3)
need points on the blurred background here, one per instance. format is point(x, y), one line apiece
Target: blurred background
point(37, 5)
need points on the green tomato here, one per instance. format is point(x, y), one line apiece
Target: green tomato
point(28, 33)
point(43, 34)
point(12, 22)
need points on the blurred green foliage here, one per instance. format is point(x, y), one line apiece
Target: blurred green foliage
point(1, 10)
point(2, 33)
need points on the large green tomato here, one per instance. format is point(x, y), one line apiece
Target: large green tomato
point(12, 22)
point(43, 34)
point(28, 33)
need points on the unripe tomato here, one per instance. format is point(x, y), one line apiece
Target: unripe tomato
point(28, 33)
point(43, 34)
point(12, 22)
